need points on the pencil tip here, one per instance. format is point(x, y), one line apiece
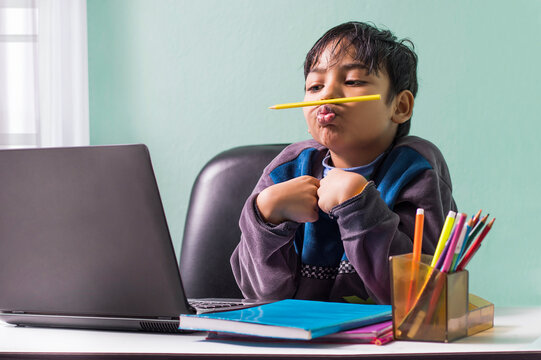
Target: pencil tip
point(272, 107)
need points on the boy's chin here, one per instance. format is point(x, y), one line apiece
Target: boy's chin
point(332, 146)
point(328, 140)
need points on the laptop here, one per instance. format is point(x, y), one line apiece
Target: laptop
point(84, 242)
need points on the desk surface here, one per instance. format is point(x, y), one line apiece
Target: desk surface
point(515, 330)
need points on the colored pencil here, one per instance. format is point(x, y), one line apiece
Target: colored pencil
point(443, 254)
point(475, 231)
point(460, 246)
point(475, 219)
point(454, 241)
point(416, 256)
point(418, 235)
point(475, 246)
point(445, 232)
point(326, 101)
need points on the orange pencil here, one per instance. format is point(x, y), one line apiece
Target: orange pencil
point(418, 236)
point(475, 219)
point(416, 256)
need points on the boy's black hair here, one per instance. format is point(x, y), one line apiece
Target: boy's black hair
point(377, 49)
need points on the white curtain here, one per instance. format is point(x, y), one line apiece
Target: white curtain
point(43, 73)
point(63, 73)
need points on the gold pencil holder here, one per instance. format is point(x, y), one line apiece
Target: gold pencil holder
point(429, 305)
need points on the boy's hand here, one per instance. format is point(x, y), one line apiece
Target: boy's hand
point(294, 200)
point(339, 186)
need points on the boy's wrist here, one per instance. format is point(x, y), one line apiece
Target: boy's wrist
point(354, 190)
point(262, 207)
point(338, 187)
point(367, 208)
point(286, 228)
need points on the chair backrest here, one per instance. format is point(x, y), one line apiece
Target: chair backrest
point(211, 231)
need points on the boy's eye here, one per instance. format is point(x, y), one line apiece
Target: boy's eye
point(355, 82)
point(314, 88)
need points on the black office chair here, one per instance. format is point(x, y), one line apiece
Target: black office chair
point(211, 232)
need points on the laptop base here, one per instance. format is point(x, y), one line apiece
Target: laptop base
point(93, 322)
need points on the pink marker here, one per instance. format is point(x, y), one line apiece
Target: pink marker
point(454, 241)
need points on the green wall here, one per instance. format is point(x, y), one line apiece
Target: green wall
point(193, 78)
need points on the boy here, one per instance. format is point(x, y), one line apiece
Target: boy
point(327, 213)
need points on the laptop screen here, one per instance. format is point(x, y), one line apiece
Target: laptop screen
point(83, 232)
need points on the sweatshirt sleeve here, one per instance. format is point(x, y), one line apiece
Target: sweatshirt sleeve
point(265, 263)
point(371, 231)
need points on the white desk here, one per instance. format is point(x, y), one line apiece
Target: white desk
point(516, 335)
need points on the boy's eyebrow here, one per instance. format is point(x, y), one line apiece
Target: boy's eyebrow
point(354, 66)
point(347, 67)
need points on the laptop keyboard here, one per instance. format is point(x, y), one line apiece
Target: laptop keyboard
point(210, 304)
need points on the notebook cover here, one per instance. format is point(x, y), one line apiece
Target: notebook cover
point(301, 319)
point(370, 331)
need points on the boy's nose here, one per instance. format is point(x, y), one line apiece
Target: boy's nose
point(331, 91)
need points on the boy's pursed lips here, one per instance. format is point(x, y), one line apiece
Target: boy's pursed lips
point(325, 115)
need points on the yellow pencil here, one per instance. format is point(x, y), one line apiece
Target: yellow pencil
point(327, 101)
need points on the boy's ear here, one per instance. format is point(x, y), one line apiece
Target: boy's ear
point(403, 107)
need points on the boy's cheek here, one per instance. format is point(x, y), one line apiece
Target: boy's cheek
point(308, 112)
point(305, 112)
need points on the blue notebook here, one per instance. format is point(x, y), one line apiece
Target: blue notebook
point(289, 319)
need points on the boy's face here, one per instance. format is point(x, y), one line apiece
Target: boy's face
point(357, 132)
